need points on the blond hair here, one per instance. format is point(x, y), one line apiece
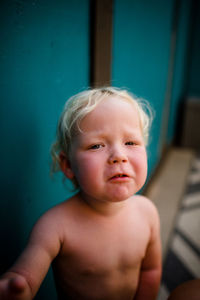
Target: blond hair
point(81, 104)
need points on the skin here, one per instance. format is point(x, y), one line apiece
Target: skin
point(104, 242)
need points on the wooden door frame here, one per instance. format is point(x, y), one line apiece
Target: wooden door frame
point(101, 12)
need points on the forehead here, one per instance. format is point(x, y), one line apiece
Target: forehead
point(112, 111)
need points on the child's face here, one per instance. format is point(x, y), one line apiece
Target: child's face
point(108, 157)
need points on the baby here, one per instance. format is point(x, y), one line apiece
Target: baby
point(104, 241)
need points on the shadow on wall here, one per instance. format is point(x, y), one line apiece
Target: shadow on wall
point(18, 152)
point(191, 124)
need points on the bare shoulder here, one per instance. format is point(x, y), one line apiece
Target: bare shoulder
point(149, 213)
point(50, 225)
point(146, 207)
point(144, 202)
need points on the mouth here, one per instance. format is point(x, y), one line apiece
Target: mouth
point(119, 176)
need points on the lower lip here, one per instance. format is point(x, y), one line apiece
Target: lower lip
point(119, 179)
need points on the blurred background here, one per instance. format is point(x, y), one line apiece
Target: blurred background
point(52, 49)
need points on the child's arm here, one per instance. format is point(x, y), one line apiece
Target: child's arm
point(151, 269)
point(24, 278)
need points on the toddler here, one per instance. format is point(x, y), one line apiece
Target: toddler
point(104, 241)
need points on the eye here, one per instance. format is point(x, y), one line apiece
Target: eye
point(130, 143)
point(96, 146)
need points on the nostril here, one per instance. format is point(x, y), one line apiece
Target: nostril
point(114, 161)
point(117, 158)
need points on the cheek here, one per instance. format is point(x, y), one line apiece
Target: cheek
point(86, 169)
point(140, 162)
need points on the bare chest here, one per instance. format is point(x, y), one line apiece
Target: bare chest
point(104, 256)
point(104, 249)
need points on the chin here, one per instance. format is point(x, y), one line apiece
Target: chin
point(119, 197)
point(123, 194)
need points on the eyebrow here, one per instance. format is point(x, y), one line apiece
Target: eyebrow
point(102, 134)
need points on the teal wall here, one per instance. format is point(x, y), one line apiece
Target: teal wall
point(44, 58)
point(141, 52)
point(194, 74)
point(181, 68)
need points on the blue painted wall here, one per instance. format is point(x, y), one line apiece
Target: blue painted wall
point(141, 50)
point(181, 63)
point(194, 74)
point(44, 59)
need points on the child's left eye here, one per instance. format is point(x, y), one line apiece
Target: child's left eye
point(130, 143)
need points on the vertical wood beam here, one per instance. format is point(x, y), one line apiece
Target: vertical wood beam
point(101, 42)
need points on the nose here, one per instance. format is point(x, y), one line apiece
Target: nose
point(117, 155)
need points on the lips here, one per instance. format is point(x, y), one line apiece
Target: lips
point(119, 176)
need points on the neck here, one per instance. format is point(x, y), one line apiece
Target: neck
point(103, 207)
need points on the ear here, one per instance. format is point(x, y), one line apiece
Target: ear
point(65, 165)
